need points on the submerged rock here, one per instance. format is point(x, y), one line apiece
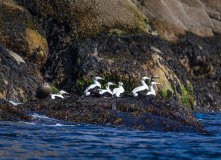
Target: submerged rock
point(157, 115)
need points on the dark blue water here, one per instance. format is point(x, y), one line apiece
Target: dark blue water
point(52, 139)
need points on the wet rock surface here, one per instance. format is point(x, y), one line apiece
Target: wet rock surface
point(8, 112)
point(157, 115)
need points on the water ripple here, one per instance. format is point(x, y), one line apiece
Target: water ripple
point(50, 139)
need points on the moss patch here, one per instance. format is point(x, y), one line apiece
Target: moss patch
point(54, 90)
point(81, 84)
point(188, 96)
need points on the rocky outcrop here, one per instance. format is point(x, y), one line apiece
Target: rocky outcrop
point(200, 57)
point(121, 57)
point(157, 115)
point(173, 18)
point(194, 30)
point(18, 79)
point(74, 40)
point(20, 33)
point(88, 38)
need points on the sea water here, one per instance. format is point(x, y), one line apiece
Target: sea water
point(48, 138)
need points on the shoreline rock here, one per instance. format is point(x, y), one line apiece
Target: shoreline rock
point(74, 40)
point(159, 115)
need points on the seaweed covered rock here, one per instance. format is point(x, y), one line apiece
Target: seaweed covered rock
point(121, 57)
point(87, 38)
point(201, 58)
point(20, 33)
point(114, 39)
point(157, 115)
point(9, 113)
point(18, 79)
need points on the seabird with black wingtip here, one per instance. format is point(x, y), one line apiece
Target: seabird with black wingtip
point(93, 87)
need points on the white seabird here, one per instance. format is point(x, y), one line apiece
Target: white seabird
point(59, 95)
point(93, 87)
point(143, 88)
point(105, 92)
point(118, 92)
point(151, 94)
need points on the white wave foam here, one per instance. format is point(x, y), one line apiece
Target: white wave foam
point(14, 103)
point(35, 115)
point(58, 125)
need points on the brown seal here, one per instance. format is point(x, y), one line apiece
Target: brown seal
point(43, 91)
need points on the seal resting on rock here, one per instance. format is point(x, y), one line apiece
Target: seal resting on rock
point(44, 90)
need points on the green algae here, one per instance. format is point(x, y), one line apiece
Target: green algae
point(54, 90)
point(188, 96)
point(163, 93)
point(81, 84)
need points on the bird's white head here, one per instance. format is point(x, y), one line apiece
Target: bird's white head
point(63, 92)
point(98, 78)
point(153, 82)
point(144, 78)
point(110, 84)
point(120, 83)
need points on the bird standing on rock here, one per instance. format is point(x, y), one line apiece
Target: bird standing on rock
point(93, 87)
point(119, 92)
point(151, 94)
point(104, 92)
point(143, 88)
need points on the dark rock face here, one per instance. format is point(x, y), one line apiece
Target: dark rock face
point(201, 57)
point(144, 115)
point(120, 57)
point(18, 79)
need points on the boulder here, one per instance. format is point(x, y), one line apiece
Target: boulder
point(173, 18)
